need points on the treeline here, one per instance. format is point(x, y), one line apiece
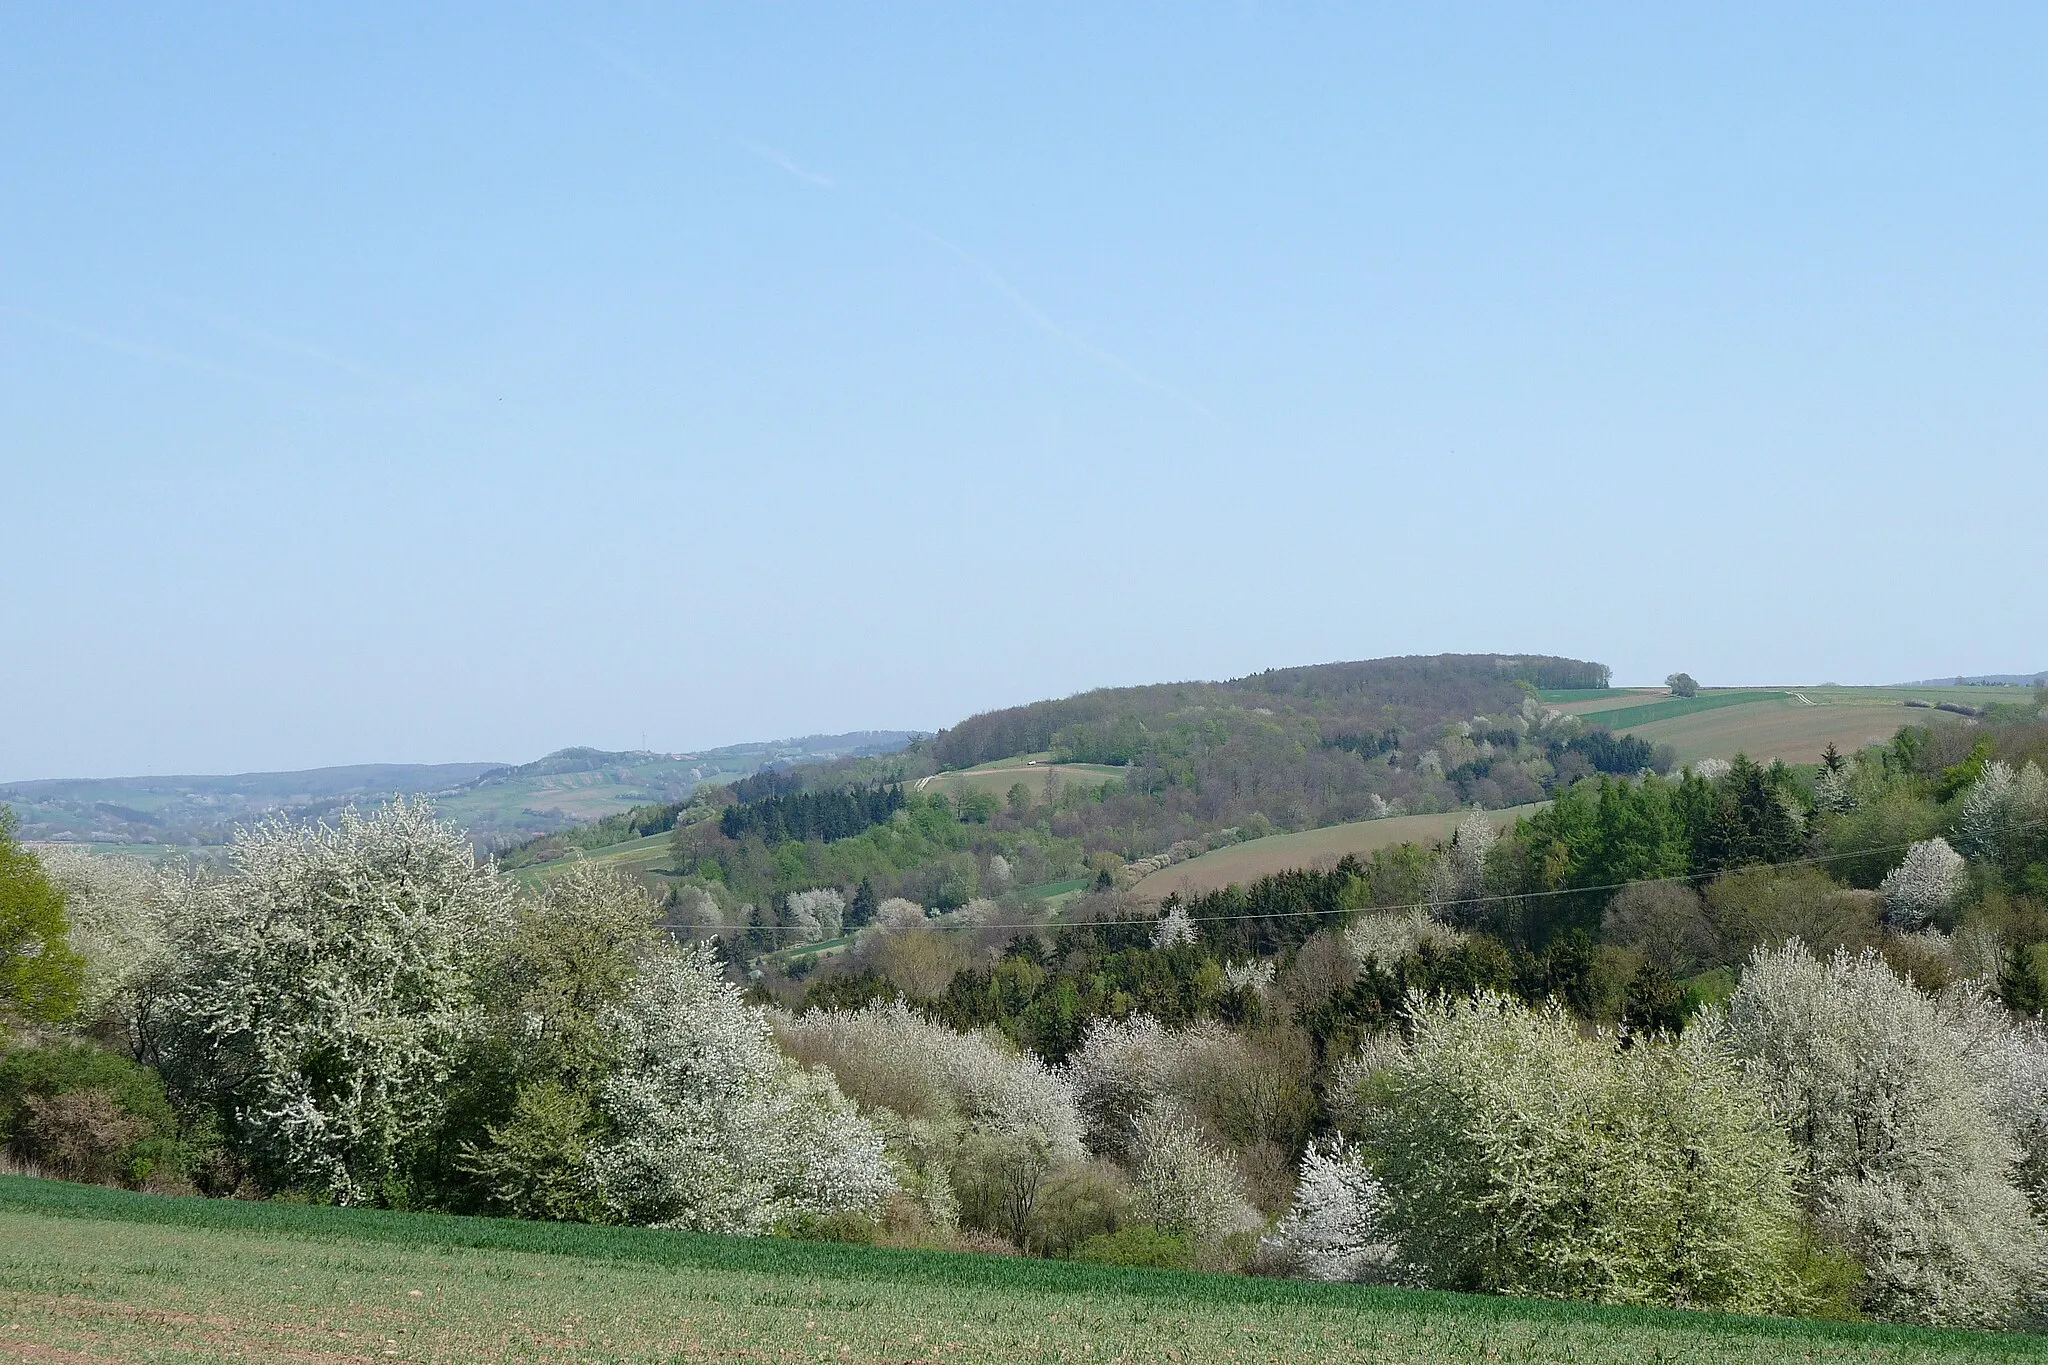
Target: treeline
point(826, 815)
point(1630, 899)
point(1287, 749)
point(1417, 691)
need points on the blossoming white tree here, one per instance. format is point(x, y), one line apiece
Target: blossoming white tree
point(1926, 883)
point(717, 1131)
point(1253, 975)
point(1905, 1163)
point(1458, 876)
point(1181, 1184)
point(322, 985)
point(1121, 1067)
point(886, 1056)
point(115, 920)
point(1520, 1156)
point(815, 914)
point(1174, 928)
point(1385, 937)
point(1332, 1231)
point(2003, 805)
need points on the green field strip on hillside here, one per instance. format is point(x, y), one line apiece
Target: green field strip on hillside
point(1584, 693)
point(1622, 717)
point(1047, 890)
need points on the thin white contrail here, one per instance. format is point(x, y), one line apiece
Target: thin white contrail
point(137, 349)
point(1035, 315)
point(769, 154)
point(270, 340)
point(1024, 307)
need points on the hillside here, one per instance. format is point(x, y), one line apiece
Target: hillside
point(1243, 864)
point(1285, 767)
point(496, 802)
point(1795, 725)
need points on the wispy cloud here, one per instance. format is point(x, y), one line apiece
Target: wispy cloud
point(624, 66)
point(1036, 316)
point(137, 349)
point(257, 336)
point(769, 154)
point(1024, 307)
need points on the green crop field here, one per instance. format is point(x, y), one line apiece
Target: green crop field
point(1623, 717)
point(642, 858)
point(1795, 724)
point(997, 778)
point(89, 1274)
point(1245, 863)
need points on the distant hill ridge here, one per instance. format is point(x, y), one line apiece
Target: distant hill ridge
point(497, 802)
point(1108, 725)
point(2035, 679)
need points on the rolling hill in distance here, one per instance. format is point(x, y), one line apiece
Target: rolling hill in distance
point(1187, 787)
point(496, 802)
point(1306, 763)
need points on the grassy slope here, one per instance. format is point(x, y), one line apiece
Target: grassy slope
point(1795, 725)
point(642, 858)
point(99, 1274)
point(1246, 863)
point(997, 778)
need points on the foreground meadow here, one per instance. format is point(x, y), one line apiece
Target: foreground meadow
point(90, 1274)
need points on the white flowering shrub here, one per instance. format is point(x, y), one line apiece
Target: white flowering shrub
point(1905, 1163)
point(322, 986)
point(1180, 1182)
point(814, 915)
point(1174, 928)
point(2011, 1061)
point(1712, 769)
point(115, 921)
point(714, 1130)
point(1521, 1156)
point(898, 913)
point(886, 1056)
point(1926, 883)
point(999, 877)
point(1121, 1067)
point(1834, 790)
point(695, 912)
point(1242, 1092)
point(1333, 1229)
point(1385, 937)
point(2003, 806)
point(1457, 878)
point(1253, 975)
point(1471, 845)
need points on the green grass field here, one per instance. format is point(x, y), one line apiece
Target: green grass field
point(89, 1274)
point(997, 778)
point(1245, 863)
point(1623, 717)
point(1793, 724)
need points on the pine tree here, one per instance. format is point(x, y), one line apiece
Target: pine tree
point(862, 911)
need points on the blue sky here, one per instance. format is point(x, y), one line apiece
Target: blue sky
point(385, 383)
